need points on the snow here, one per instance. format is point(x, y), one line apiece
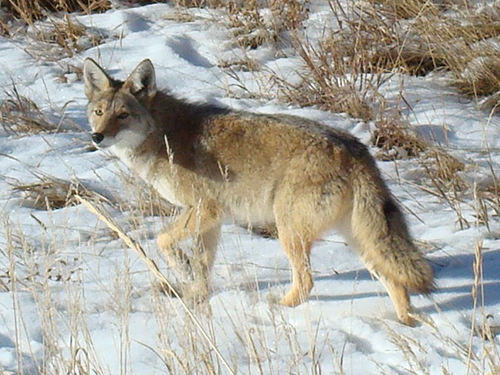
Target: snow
point(84, 301)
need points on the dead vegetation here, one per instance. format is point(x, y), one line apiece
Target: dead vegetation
point(60, 37)
point(396, 140)
point(50, 193)
point(331, 82)
point(20, 115)
point(343, 71)
point(48, 25)
point(29, 10)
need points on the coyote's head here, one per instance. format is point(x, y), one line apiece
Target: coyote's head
point(118, 111)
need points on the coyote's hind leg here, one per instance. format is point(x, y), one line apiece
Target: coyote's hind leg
point(298, 251)
point(400, 299)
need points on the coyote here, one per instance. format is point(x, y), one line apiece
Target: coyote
point(214, 162)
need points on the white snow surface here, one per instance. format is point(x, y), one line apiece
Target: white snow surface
point(82, 287)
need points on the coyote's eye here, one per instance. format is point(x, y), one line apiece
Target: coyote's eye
point(123, 115)
point(98, 112)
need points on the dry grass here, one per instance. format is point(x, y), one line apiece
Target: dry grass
point(463, 41)
point(331, 82)
point(343, 72)
point(57, 38)
point(152, 266)
point(20, 115)
point(440, 173)
point(252, 27)
point(405, 8)
point(143, 200)
point(53, 33)
point(396, 140)
point(50, 193)
point(29, 10)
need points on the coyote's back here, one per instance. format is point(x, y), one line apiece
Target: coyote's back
point(302, 176)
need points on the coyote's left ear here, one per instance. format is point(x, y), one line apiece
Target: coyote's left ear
point(142, 81)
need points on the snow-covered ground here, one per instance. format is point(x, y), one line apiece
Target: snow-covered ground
point(83, 303)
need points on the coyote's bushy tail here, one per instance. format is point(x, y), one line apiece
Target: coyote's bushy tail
point(381, 234)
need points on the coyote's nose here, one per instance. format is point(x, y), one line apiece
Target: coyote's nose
point(97, 137)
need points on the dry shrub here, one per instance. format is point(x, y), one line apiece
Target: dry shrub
point(463, 40)
point(57, 38)
point(19, 114)
point(481, 75)
point(31, 10)
point(443, 169)
point(417, 36)
point(406, 8)
point(51, 193)
point(378, 43)
point(396, 140)
point(332, 82)
point(465, 45)
point(345, 69)
point(254, 23)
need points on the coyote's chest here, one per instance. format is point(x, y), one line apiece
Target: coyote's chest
point(167, 190)
point(146, 167)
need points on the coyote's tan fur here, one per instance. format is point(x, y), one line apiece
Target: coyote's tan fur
point(304, 177)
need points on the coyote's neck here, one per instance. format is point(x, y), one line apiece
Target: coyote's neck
point(141, 158)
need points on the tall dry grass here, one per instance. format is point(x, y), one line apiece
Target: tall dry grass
point(31, 10)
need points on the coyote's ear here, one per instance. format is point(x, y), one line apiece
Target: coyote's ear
point(142, 81)
point(95, 78)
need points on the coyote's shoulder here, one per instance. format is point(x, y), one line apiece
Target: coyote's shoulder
point(297, 174)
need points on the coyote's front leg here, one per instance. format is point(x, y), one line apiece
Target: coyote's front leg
point(202, 223)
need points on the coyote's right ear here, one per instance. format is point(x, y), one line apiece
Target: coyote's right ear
point(95, 78)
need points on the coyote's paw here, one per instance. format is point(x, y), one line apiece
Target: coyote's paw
point(412, 319)
point(180, 262)
point(293, 298)
point(164, 241)
point(196, 293)
point(167, 290)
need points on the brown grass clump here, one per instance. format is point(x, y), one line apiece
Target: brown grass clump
point(19, 114)
point(385, 43)
point(406, 8)
point(463, 43)
point(252, 27)
point(247, 18)
point(489, 195)
point(51, 193)
point(408, 36)
point(31, 10)
point(396, 140)
point(442, 170)
point(332, 82)
point(62, 37)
